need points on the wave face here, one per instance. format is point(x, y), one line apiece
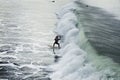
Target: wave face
point(102, 31)
point(90, 45)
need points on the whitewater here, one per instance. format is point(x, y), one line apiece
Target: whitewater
point(25, 33)
point(90, 41)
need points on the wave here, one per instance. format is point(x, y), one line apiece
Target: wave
point(90, 46)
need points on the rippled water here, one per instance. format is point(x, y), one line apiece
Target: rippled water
point(25, 33)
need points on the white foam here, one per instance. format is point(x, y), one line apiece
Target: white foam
point(67, 22)
point(74, 64)
point(65, 9)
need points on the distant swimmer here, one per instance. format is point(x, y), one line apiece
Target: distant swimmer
point(57, 38)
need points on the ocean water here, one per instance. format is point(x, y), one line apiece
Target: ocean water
point(90, 41)
point(89, 44)
point(25, 33)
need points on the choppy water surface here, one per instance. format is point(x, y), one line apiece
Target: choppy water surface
point(25, 33)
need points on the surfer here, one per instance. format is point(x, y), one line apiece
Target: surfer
point(57, 38)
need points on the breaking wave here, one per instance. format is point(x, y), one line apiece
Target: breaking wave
point(90, 44)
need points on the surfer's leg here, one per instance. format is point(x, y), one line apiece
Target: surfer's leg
point(58, 45)
point(53, 47)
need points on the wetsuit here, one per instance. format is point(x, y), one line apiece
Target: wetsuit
point(57, 38)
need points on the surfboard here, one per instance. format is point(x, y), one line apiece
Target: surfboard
point(56, 55)
point(51, 47)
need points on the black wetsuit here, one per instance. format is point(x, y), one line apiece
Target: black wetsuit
point(57, 38)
